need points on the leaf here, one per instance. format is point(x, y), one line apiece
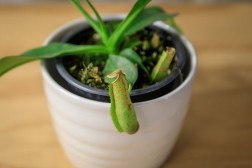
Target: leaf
point(50, 51)
point(122, 110)
point(90, 20)
point(147, 17)
point(160, 71)
point(59, 49)
point(133, 57)
point(117, 35)
point(117, 62)
point(104, 31)
point(112, 25)
point(10, 62)
point(172, 23)
point(132, 43)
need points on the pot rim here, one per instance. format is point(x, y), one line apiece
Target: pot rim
point(76, 22)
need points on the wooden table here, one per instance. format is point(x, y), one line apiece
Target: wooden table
point(218, 129)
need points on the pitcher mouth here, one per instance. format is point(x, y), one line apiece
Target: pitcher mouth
point(59, 73)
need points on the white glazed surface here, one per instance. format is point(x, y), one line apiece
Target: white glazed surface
point(89, 138)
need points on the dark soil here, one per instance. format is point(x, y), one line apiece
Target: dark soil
point(88, 69)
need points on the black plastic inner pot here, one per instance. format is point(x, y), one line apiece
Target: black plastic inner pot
point(58, 72)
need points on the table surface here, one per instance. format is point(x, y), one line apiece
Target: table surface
point(218, 129)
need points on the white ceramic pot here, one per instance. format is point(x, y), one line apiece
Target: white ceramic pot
point(88, 136)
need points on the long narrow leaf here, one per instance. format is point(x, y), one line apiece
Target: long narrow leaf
point(104, 31)
point(10, 62)
point(147, 17)
point(45, 52)
point(60, 49)
point(117, 35)
point(90, 20)
point(172, 23)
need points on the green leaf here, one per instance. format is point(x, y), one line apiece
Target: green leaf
point(60, 49)
point(133, 57)
point(117, 62)
point(132, 43)
point(147, 17)
point(112, 25)
point(104, 31)
point(90, 20)
point(10, 62)
point(172, 23)
point(117, 35)
point(122, 109)
point(50, 51)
